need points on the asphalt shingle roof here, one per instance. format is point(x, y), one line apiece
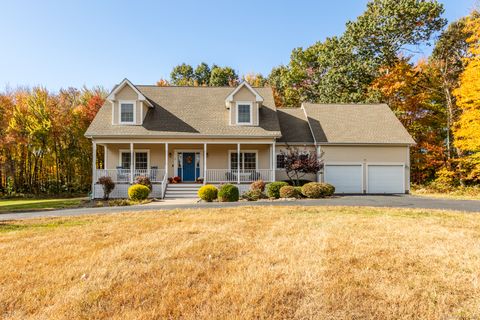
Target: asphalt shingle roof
point(356, 123)
point(188, 111)
point(294, 126)
point(200, 111)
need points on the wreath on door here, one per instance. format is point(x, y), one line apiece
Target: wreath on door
point(189, 159)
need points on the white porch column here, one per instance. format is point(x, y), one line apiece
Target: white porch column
point(204, 163)
point(319, 175)
point(166, 159)
point(273, 161)
point(132, 162)
point(94, 167)
point(238, 163)
point(105, 157)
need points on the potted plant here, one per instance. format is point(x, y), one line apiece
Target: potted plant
point(199, 180)
point(176, 179)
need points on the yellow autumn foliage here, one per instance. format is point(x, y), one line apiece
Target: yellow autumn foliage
point(467, 128)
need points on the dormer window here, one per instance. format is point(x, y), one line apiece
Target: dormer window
point(244, 113)
point(127, 112)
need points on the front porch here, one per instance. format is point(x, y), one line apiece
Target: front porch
point(200, 163)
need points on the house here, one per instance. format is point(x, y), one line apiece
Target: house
point(222, 134)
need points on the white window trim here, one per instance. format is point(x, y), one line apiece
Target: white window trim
point(133, 160)
point(276, 155)
point(120, 111)
point(251, 113)
point(243, 158)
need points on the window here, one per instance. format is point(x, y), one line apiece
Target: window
point(127, 112)
point(125, 160)
point(141, 160)
point(280, 161)
point(244, 113)
point(248, 161)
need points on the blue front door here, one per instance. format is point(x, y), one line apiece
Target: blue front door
point(188, 165)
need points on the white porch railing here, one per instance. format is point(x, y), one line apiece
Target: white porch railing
point(225, 175)
point(124, 175)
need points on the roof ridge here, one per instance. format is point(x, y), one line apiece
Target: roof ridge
point(347, 104)
point(226, 87)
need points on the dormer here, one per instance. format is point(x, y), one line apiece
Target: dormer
point(129, 105)
point(244, 104)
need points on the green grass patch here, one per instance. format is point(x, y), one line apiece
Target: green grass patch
point(53, 224)
point(13, 205)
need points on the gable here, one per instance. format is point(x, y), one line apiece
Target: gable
point(126, 93)
point(126, 88)
point(244, 85)
point(244, 94)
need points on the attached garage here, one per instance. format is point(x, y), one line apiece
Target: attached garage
point(346, 178)
point(385, 178)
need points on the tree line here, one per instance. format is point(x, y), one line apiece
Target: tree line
point(43, 148)
point(437, 98)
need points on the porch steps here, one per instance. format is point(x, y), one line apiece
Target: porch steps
point(182, 190)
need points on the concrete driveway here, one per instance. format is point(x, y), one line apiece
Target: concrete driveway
point(390, 201)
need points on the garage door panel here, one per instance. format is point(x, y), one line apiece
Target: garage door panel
point(345, 178)
point(386, 178)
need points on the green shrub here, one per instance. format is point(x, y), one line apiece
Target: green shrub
point(288, 192)
point(208, 193)
point(299, 191)
point(317, 190)
point(258, 185)
point(329, 190)
point(228, 193)
point(253, 195)
point(145, 181)
point(273, 189)
point(138, 192)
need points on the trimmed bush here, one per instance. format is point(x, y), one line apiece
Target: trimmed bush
point(138, 192)
point(253, 195)
point(208, 193)
point(317, 190)
point(107, 185)
point(288, 192)
point(273, 189)
point(258, 185)
point(228, 193)
point(144, 181)
point(329, 189)
point(299, 191)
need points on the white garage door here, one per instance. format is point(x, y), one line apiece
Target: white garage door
point(345, 178)
point(386, 179)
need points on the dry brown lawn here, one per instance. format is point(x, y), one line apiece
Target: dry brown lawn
point(243, 263)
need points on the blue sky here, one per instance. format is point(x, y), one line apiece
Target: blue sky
point(74, 43)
